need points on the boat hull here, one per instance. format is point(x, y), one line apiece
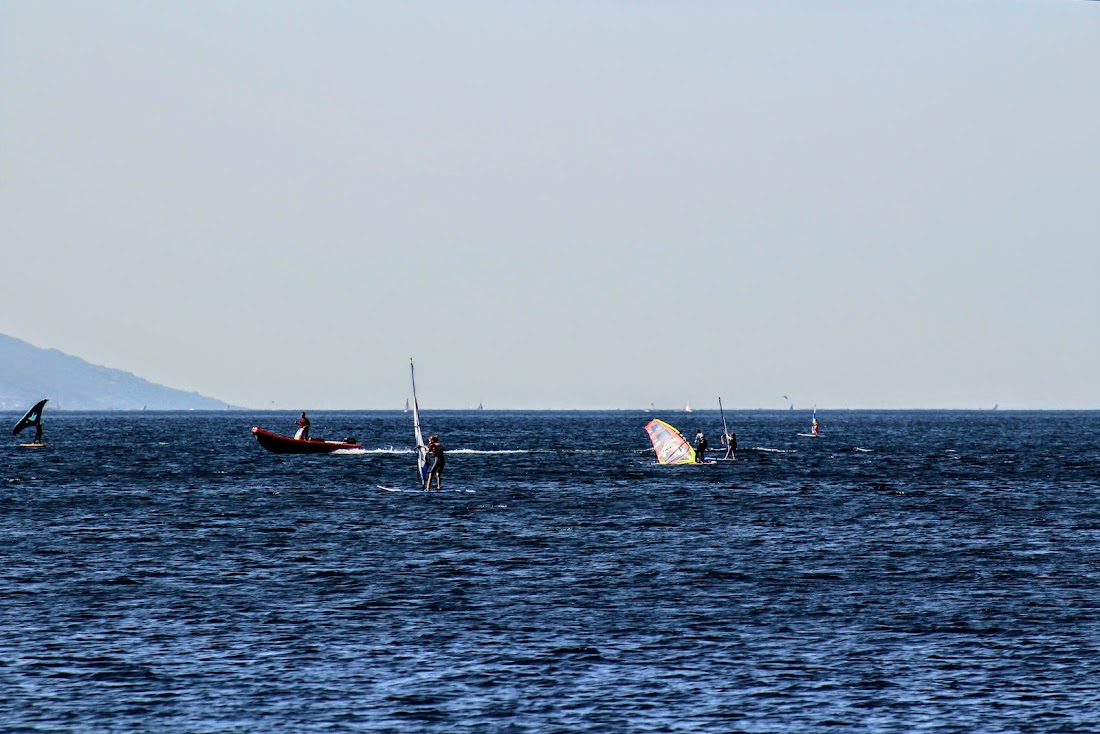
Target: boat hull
point(277, 444)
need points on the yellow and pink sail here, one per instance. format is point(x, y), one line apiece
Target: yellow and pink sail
point(669, 445)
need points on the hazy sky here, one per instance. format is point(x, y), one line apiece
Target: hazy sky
point(598, 204)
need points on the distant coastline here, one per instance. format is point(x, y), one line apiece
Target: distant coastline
point(29, 373)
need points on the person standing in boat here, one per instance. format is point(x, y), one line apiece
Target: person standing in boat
point(700, 446)
point(730, 440)
point(435, 448)
point(303, 428)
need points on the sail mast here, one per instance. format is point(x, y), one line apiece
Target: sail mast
point(421, 448)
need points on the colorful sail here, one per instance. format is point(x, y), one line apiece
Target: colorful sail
point(421, 447)
point(668, 444)
point(32, 418)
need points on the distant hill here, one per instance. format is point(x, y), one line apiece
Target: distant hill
point(28, 374)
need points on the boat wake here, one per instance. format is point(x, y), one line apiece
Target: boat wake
point(405, 451)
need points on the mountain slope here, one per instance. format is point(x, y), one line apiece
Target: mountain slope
point(28, 374)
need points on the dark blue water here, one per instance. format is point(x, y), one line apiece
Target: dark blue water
point(909, 572)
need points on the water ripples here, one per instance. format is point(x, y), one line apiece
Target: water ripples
point(944, 581)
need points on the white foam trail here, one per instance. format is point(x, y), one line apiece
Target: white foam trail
point(394, 450)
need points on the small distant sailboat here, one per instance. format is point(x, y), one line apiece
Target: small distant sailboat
point(687, 408)
point(406, 405)
point(33, 417)
point(480, 407)
point(815, 427)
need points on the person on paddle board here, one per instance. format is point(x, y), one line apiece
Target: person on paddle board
point(700, 446)
point(435, 448)
point(303, 427)
point(730, 439)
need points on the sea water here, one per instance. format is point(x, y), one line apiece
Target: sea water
point(907, 571)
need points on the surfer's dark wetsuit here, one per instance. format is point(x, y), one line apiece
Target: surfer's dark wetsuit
point(700, 447)
point(731, 445)
point(435, 448)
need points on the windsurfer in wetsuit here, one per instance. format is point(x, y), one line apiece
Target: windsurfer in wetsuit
point(731, 445)
point(435, 448)
point(303, 428)
point(700, 446)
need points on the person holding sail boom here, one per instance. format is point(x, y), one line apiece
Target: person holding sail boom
point(730, 439)
point(435, 448)
point(33, 417)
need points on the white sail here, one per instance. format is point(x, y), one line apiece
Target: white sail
point(421, 447)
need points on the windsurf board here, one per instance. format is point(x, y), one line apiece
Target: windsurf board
point(433, 491)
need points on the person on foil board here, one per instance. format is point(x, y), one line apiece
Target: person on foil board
point(32, 418)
